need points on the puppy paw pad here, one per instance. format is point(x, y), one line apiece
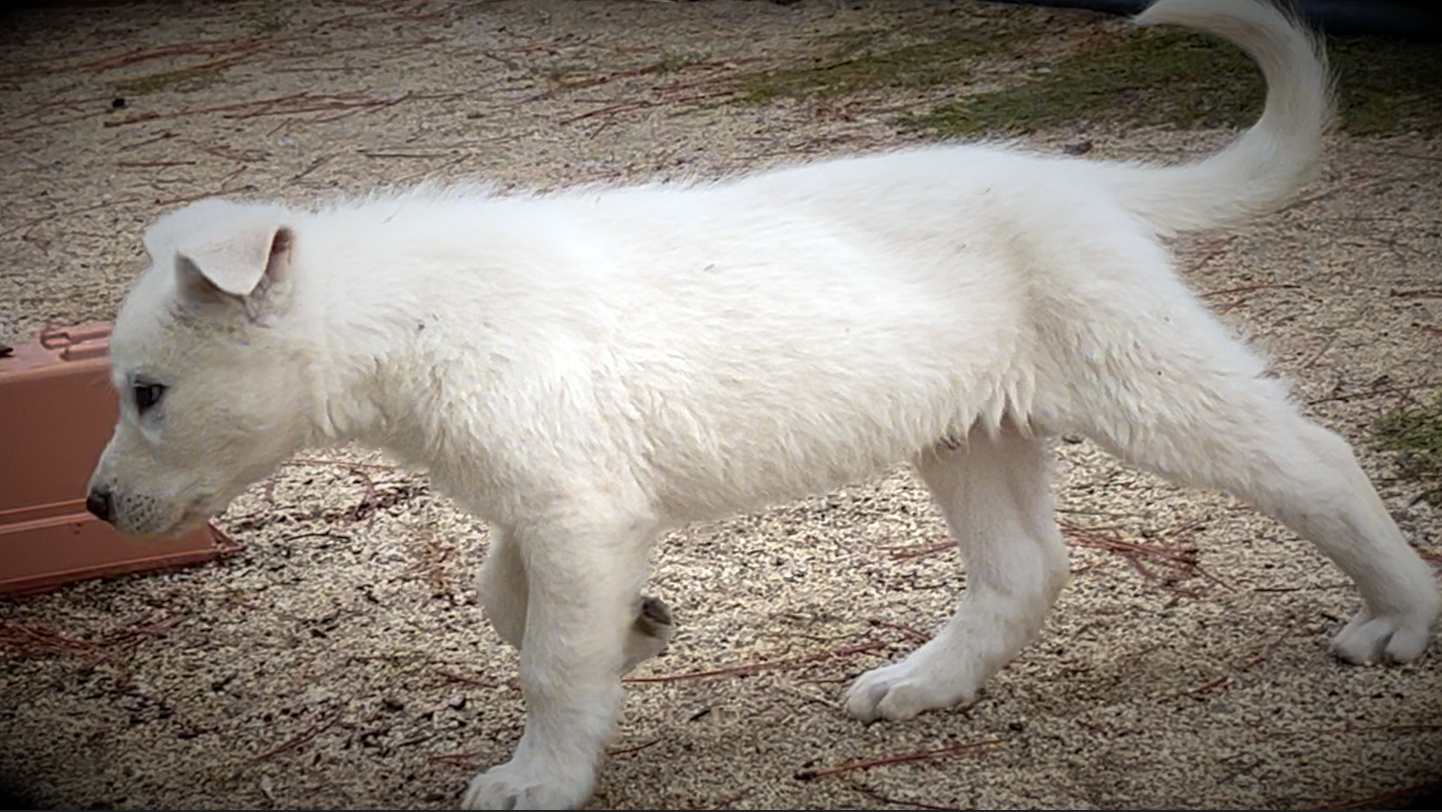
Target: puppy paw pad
point(654, 619)
point(1386, 639)
point(893, 692)
point(510, 787)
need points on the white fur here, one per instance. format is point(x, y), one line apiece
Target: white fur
point(588, 368)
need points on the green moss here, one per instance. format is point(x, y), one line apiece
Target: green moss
point(265, 17)
point(1187, 80)
point(672, 62)
point(1387, 86)
point(850, 69)
point(191, 77)
point(563, 72)
point(1168, 78)
point(1415, 432)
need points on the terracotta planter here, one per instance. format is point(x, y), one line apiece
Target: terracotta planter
point(57, 410)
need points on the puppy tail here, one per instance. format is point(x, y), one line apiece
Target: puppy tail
point(1264, 169)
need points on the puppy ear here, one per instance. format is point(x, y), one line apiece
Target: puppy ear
point(239, 264)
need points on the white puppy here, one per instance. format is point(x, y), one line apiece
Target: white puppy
point(589, 368)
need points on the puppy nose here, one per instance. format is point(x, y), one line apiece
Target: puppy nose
point(98, 502)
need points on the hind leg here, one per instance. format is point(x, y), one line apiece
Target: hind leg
point(1195, 408)
point(998, 504)
point(1306, 477)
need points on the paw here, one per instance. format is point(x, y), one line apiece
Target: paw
point(654, 619)
point(897, 692)
point(649, 633)
point(519, 786)
point(1385, 639)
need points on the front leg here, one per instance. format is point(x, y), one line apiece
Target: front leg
point(649, 633)
point(502, 587)
point(503, 591)
point(582, 593)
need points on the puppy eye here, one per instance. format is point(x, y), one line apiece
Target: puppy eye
point(147, 395)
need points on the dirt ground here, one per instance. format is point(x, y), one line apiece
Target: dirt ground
point(340, 660)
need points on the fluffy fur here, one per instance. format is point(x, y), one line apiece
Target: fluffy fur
point(589, 368)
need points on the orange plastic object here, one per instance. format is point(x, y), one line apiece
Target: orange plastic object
point(57, 410)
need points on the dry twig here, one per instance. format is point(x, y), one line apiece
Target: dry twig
point(298, 740)
point(1373, 392)
point(900, 758)
point(1249, 288)
point(462, 759)
point(919, 550)
point(112, 646)
point(887, 799)
point(746, 669)
point(914, 634)
point(1183, 562)
point(622, 751)
point(476, 682)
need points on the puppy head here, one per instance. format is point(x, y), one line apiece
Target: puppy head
point(209, 367)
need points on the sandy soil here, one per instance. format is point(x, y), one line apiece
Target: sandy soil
point(340, 660)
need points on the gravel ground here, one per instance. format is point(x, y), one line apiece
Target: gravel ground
point(340, 660)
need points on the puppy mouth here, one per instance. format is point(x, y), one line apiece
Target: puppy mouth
point(189, 520)
point(202, 509)
point(194, 514)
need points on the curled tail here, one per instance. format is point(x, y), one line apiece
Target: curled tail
point(1263, 169)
